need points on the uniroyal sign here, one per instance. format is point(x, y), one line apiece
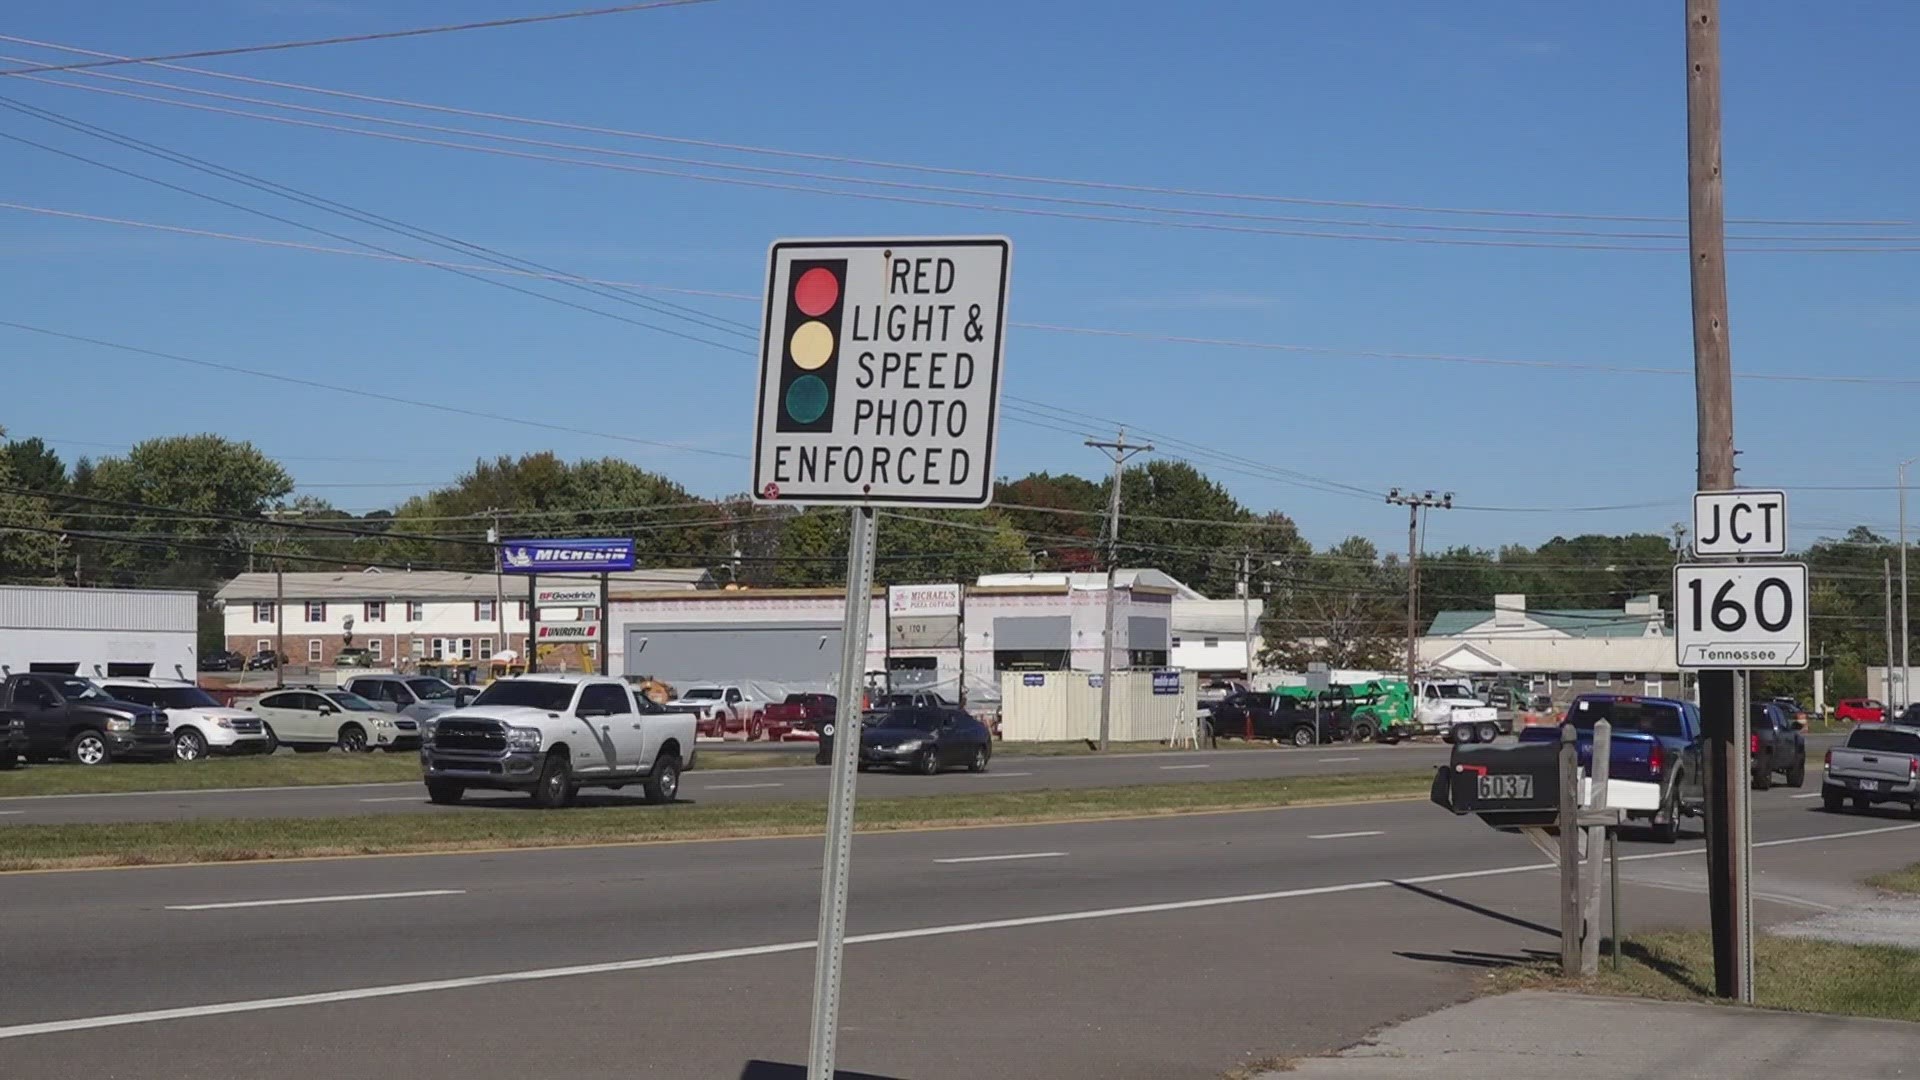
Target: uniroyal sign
point(587, 597)
point(569, 631)
point(907, 601)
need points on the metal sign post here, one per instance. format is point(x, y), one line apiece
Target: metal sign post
point(1740, 852)
point(880, 371)
point(1569, 852)
point(846, 758)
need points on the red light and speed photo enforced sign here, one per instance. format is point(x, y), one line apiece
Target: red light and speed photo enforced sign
point(880, 367)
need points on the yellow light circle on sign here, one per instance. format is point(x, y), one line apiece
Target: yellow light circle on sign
point(812, 345)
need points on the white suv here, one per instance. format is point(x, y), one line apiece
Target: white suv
point(199, 724)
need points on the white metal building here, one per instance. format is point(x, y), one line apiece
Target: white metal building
point(779, 641)
point(96, 633)
point(769, 642)
point(1210, 636)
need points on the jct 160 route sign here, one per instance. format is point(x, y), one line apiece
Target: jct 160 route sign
point(1740, 615)
point(880, 372)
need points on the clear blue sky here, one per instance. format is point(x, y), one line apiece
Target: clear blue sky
point(1573, 107)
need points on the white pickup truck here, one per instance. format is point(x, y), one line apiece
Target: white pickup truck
point(1449, 707)
point(550, 735)
point(719, 710)
point(1879, 763)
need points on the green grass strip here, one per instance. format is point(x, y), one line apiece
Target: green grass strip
point(1788, 973)
point(515, 824)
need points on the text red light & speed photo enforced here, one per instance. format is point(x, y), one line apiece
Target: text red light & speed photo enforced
point(880, 371)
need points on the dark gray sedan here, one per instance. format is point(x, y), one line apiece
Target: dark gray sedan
point(925, 741)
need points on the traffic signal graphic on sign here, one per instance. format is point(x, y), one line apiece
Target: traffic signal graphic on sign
point(810, 358)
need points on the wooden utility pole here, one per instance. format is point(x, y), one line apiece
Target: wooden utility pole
point(1713, 403)
point(1119, 450)
point(1414, 504)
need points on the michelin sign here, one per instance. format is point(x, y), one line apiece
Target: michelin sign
point(568, 556)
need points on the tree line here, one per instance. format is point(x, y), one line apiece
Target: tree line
point(192, 511)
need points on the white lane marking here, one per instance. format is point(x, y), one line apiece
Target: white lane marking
point(227, 1008)
point(398, 798)
point(737, 787)
point(1326, 759)
point(1701, 890)
point(316, 900)
point(4, 813)
point(1006, 858)
point(1186, 766)
point(996, 775)
point(178, 792)
point(1345, 835)
point(1808, 795)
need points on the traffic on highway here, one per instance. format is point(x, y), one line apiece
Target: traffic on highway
point(566, 543)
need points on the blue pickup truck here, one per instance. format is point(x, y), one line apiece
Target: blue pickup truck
point(1656, 772)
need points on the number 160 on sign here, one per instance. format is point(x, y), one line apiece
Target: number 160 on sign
point(1740, 615)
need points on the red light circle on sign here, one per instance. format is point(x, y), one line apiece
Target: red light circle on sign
point(816, 291)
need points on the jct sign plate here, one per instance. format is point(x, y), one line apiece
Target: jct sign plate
point(880, 372)
point(1740, 615)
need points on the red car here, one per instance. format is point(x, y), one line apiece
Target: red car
point(798, 717)
point(1860, 711)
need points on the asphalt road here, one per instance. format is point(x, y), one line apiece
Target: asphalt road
point(1009, 772)
point(1161, 948)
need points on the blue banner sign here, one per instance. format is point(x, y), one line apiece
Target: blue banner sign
point(1166, 682)
point(571, 555)
point(1033, 680)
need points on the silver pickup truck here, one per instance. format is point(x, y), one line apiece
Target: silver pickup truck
point(1880, 763)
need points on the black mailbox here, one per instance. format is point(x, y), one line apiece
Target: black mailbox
point(1508, 786)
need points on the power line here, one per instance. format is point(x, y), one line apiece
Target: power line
point(1452, 358)
point(386, 223)
point(61, 440)
point(290, 193)
point(377, 255)
point(1575, 367)
point(920, 200)
point(350, 39)
point(357, 392)
point(875, 182)
point(981, 174)
point(414, 232)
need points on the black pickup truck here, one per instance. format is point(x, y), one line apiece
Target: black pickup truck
point(67, 716)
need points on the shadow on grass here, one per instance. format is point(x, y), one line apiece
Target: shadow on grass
point(1678, 974)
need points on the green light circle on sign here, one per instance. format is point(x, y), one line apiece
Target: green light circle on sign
point(807, 399)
